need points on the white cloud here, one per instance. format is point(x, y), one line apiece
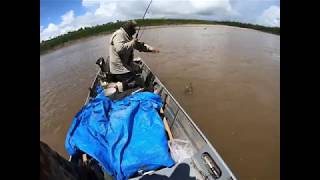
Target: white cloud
point(89, 3)
point(54, 30)
point(67, 18)
point(49, 32)
point(270, 17)
point(103, 11)
point(211, 6)
point(106, 9)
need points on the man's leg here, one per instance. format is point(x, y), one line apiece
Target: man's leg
point(129, 80)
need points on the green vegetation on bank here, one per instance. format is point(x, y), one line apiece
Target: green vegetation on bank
point(110, 27)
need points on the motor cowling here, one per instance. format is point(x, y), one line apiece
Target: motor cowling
point(104, 66)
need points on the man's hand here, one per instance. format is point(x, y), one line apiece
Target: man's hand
point(135, 41)
point(155, 51)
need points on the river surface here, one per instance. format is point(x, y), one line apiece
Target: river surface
point(234, 73)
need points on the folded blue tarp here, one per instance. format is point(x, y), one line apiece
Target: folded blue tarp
point(125, 136)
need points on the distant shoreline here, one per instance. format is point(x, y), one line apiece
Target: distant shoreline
point(105, 29)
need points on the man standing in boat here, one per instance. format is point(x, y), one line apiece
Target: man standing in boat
point(122, 45)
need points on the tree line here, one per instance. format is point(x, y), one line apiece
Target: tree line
point(112, 26)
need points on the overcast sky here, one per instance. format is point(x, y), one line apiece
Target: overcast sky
point(61, 16)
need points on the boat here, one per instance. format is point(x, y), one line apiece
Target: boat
point(203, 162)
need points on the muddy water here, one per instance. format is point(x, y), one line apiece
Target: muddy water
point(235, 77)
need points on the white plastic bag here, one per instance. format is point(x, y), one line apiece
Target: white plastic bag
point(180, 150)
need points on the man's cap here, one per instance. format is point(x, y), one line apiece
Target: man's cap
point(132, 23)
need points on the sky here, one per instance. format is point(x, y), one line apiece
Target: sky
point(61, 16)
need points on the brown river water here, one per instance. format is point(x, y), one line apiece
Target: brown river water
point(234, 72)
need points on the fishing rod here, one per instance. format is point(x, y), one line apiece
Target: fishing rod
point(143, 19)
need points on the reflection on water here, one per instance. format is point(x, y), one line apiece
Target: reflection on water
point(235, 80)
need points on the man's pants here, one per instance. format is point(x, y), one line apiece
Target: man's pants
point(129, 80)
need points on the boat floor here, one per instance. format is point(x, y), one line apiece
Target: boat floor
point(184, 170)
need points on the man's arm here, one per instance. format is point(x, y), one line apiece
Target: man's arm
point(121, 45)
point(140, 46)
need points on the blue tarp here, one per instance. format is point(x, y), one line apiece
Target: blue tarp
point(124, 136)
